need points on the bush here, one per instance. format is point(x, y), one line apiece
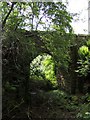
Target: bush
point(84, 112)
point(84, 109)
point(83, 51)
point(84, 60)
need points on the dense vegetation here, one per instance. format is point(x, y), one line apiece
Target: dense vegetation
point(45, 69)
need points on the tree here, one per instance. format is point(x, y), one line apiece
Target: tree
point(50, 15)
point(55, 21)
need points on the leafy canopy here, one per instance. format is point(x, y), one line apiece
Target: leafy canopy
point(35, 16)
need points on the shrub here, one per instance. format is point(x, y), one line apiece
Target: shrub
point(84, 61)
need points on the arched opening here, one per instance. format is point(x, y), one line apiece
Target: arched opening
point(42, 72)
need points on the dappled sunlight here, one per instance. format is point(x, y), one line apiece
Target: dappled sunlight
point(43, 67)
point(46, 74)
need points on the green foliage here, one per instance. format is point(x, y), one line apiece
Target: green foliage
point(83, 51)
point(23, 15)
point(84, 61)
point(62, 100)
point(84, 108)
point(35, 16)
point(42, 67)
point(84, 67)
point(16, 48)
point(88, 44)
point(56, 97)
point(59, 45)
point(9, 87)
point(49, 69)
point(84, 116)
point(20, 48)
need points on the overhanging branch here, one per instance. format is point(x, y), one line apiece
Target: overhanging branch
point(4, 21)
point(39, 42)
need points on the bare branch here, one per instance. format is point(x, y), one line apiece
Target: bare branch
point(4, 21)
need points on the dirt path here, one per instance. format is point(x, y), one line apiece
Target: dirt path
point(52, 113)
